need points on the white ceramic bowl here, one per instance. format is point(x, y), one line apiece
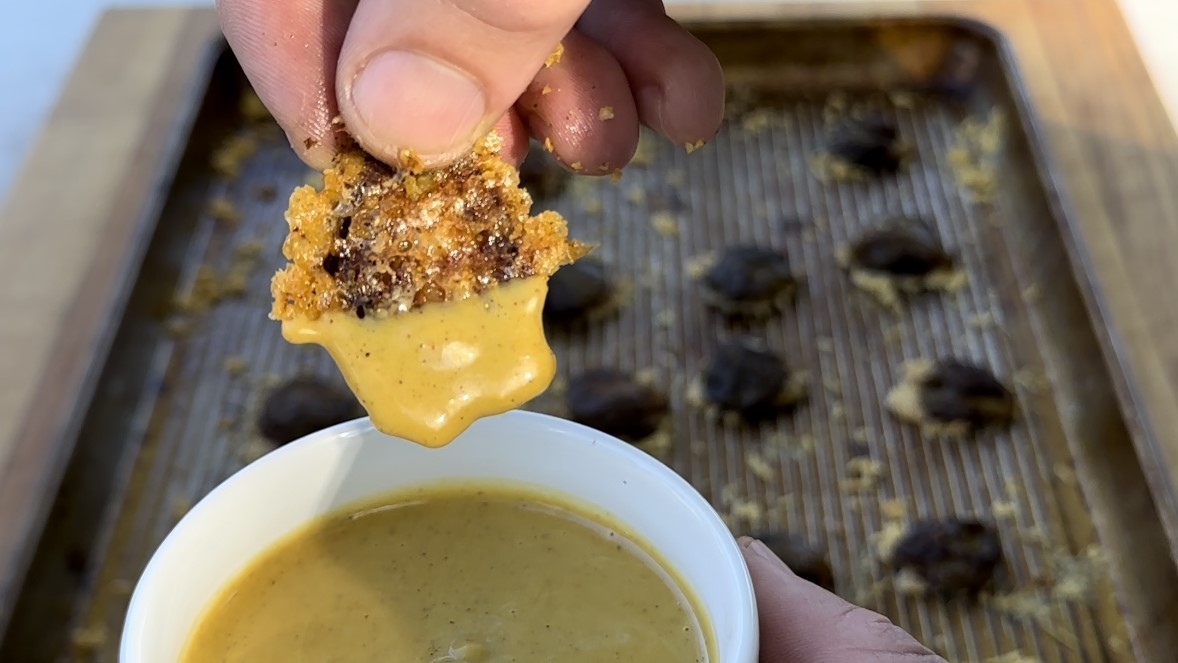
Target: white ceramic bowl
point(283, 490)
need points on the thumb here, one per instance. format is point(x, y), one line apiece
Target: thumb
point(803, 623)
point(435, 76)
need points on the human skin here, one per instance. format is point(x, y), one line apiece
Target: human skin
point(803, 623)
point(434, 75)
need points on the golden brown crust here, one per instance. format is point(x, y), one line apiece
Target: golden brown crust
point(377, 240)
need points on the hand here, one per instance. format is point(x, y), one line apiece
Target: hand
point(803, 623)
point(435, 75)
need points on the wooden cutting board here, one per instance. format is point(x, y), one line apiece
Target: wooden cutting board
point(80, 213)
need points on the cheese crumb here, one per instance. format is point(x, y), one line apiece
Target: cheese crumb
point(554, 57)
point(665, 223)
point(759, 466)
point(223, 210)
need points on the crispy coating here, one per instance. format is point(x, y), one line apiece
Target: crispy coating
point(380, 241)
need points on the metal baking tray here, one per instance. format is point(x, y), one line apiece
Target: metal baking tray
point(173, 414)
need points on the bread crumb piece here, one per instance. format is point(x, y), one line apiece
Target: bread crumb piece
point(178, 327)
point(901, 99)
point(884, 541)
point(554, 57)
point(691, 147)
point(647, 144)
point(826, 167)
point(806, 442)
point(863, 474)
point(121, 587)
point(665, 223)
point(1032, 380)
point(1064, 474)
point(251, 107)
point(547, 89)
point(592, 206)
point(180, 505)
point(697, 266)
point(909, 583)
point(647, 376)
point(658, 443)
point(779, 510)
point(892, 509)
point(837, 411)
point(605, 113)
point(760, 119)
point(1071, 579)
point(636, 195)
point(973, 153)
point(983, 320)
point(253, 449)
point(206, 292)
point(234, 365)
point(223, 210)
point(548, 147)
point(577, 166)
point(694, 393)
point(1012, 488)
point(227, 159)
point(1003, 510)
point(241, 266)
point(1032, 294)
point(88, 640)
point(759, 466)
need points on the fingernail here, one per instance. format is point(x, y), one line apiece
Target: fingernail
point(412, 101)
point(762, 551)
point(650, 104)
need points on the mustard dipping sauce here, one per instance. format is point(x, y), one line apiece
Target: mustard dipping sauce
point(427, 374)
point(483, 573)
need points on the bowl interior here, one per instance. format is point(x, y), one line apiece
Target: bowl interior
point(333, 468)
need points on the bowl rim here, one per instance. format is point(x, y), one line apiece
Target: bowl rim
point(746, 641)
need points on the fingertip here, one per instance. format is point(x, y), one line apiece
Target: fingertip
point(678, 82)
point(583, 111)
point(516, 141)
point(686, 102)
point(317, 153)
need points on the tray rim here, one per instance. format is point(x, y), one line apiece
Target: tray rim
point(23, 528)
point(1080, 258)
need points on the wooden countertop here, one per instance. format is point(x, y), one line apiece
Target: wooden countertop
point(74, 216)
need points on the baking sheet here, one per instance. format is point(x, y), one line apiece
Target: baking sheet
point(175, 410)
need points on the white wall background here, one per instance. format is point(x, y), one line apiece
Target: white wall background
point(40, 39)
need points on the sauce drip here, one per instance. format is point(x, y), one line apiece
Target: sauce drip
point(426, 374)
